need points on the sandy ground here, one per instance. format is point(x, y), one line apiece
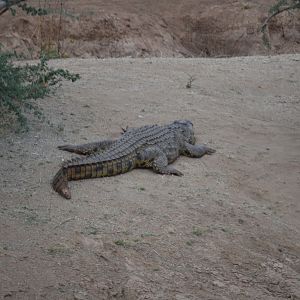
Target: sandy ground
point(228, 229)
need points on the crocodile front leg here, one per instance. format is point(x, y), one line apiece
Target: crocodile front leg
point(156, 159)
point(196, 150)
point(87, 149)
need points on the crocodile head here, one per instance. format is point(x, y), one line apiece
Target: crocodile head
point(186, 130)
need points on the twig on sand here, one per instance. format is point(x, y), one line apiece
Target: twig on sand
point(64, 222)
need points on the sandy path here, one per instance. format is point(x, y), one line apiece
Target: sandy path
point(228, 229)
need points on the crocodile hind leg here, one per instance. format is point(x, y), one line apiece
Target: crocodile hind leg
point(156, 159)
point(160, 165)
point(87, 149)
point(196, 150)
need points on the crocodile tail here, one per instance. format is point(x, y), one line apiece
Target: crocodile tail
point(96, 169)
point(60, 183)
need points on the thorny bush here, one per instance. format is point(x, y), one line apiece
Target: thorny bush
point(20, 85)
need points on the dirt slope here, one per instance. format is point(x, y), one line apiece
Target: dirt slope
point(142, 28)
point(228, 229)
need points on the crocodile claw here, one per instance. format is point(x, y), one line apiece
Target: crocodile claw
point(65, 147)
point(210, 151)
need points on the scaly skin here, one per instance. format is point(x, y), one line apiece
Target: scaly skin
point(145, 147)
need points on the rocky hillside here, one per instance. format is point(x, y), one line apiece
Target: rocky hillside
point(142, 28)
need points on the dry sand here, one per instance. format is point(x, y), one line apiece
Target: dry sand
point(228, 229)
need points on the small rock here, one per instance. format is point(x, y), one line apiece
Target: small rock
point(218, 283)
point(9, 294)
point(278, 265)
point(80, 296)
point(235, 289)
point(180, 297)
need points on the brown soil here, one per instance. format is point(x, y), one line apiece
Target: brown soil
point(228, 229)
point(142, 28)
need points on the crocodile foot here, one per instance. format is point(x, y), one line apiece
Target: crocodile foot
point(209, 151)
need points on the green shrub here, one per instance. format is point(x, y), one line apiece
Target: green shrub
point(20, 85)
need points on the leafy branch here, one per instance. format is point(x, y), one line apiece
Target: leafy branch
point(20, 85)
point(280, 7)
point(6, 5)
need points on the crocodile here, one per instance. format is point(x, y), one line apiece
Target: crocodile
point(150, 146)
